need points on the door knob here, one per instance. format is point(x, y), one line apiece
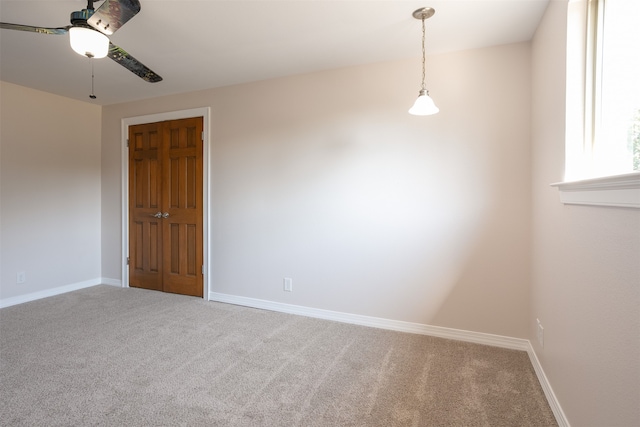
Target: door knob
point(157, 215)
point(165, 215)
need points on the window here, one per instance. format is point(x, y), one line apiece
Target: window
point(603, 103)
point(613, 74)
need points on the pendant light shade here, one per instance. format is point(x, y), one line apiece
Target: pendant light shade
point(424, 105)
point(88, 42)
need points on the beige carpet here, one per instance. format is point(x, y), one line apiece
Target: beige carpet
point(128, 357)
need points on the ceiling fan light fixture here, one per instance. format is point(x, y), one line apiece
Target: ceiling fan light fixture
point(88, 42)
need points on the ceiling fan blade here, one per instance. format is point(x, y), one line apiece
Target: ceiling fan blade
point(113, 14)
point(41, 30)
point(132, 64)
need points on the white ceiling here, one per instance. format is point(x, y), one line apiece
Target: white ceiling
point(204, 44)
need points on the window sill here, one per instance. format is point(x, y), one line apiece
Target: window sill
point(619, 190)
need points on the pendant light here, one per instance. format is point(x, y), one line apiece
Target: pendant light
point(424, 105)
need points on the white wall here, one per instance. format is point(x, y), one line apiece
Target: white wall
point(586, 264)
point(325, 178)
point(50, 191)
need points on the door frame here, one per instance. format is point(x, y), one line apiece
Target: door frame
point(205, 113)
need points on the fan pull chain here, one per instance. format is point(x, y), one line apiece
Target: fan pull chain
point(92, 96)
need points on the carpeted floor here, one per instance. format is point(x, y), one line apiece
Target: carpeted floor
point(106, 356)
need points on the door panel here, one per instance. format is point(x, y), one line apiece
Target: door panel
point(182, 179)
point(166, 177)
point(145, 255)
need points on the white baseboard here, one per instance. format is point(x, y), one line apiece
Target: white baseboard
point(376, 322)
point(112, 282)
point(416, 328)
point(8, 302)
point(561, 418)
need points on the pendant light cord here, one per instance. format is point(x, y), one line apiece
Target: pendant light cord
point(423, 57)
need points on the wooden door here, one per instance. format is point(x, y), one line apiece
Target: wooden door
point(165, 206)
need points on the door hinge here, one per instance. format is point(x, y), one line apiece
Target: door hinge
point(127, 142)
point(203, 270)
point(127, 260)
point(202, 135)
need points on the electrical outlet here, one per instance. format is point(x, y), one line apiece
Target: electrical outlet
point(540, 333)
point(21, 277)
point(288, 284)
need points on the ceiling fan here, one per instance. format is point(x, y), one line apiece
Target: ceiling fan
point(89, 30)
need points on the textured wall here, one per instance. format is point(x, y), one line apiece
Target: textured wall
point(50, 184)
point(586, 263)
point(325, 178)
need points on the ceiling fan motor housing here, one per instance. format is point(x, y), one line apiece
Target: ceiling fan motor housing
point(79, 17)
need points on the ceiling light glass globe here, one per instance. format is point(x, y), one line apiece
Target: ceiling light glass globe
point(88, 42)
